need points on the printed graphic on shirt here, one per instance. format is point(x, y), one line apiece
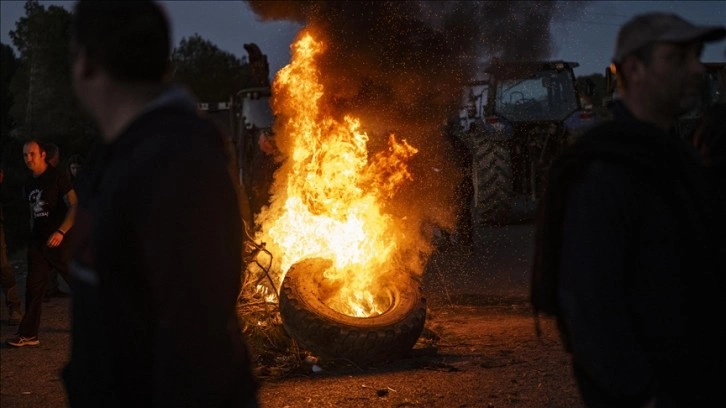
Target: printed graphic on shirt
point(37, 204)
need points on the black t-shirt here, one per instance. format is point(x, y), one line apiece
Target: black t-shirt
point(45, 195)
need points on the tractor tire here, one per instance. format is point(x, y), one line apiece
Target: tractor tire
point(330, 334)
point(493, 184)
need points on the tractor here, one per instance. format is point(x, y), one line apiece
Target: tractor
point(517, 121)
point(245, 117)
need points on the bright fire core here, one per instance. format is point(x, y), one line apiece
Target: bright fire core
point(329, 196)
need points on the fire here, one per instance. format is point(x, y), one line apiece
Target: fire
point(330, 195)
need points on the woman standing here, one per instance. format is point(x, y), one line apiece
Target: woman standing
point(75, 163)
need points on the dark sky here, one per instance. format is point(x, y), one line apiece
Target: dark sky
point(583, 33)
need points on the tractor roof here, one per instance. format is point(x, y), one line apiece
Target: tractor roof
point(523, 68)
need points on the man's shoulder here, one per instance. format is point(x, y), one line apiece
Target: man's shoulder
point(50, 173)
point(611, 151)
point(619, 131)
point(183, 126)
point(629, 142)
point(56, 176)
point(170, 133)
point(172, 148)
point(164, 120)
point(56, 173)
point(48, 176)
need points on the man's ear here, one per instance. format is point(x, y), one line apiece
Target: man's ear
point(168, 70)
point(83, 64)
point(633, 69)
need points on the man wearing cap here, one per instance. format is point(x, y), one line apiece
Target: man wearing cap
point(629, 231)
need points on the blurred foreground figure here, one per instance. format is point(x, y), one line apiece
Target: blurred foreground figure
point(7, 274)
point(631, 229)
point(157, 264)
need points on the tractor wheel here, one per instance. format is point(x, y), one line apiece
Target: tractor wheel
point(493, 184)
point(328, 333)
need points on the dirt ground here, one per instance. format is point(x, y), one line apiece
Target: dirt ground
point(477, 351)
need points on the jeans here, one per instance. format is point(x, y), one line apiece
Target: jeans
point(41, 259)
point(7, 275)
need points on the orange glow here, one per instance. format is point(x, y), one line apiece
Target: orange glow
point(330, 194)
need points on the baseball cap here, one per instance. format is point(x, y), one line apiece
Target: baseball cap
point(648, 28)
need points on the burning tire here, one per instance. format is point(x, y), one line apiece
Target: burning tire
point(493, 184)
point(329, 333)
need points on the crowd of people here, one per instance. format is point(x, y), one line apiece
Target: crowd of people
point(631, 225)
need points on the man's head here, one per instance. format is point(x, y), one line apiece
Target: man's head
point(119, 58)
point(647, 29)
point(34, 156)
point(657, 56)
point(52, 154)
point(129, 40)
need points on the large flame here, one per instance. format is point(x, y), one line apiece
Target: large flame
point(329, 196)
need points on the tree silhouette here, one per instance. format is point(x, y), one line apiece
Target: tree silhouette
point(9, 64)
point(44, 105)
point(211, 74)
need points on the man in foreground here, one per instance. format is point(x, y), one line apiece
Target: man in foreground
point(631, 229)
point(158, 262)
point(7, 275)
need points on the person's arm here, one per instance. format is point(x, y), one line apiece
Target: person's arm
point(594, 267)
point(57, 236)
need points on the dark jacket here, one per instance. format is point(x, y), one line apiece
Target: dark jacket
point(629, 227)
point(157, 269)
point(711, 139)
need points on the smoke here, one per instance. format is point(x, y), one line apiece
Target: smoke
point(401, 67)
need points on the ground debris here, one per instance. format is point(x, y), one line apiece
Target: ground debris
point(438, 366)
point(275, 353)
